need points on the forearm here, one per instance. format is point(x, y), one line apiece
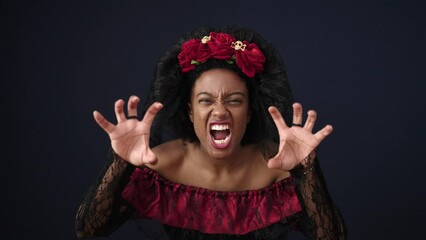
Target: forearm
point(102, 209)
point(323, 219)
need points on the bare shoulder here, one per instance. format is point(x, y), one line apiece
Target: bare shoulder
point(169, 155)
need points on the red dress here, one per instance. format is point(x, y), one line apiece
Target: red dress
point(168, 210)
point(206, 211)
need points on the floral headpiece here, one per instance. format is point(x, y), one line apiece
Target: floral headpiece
point(222, 46)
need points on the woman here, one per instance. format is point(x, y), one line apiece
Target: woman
point(213, 158)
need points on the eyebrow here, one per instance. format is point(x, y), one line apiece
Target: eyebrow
point(226, 96)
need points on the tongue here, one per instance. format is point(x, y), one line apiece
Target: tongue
point(219, 135)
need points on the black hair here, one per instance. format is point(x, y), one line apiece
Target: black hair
point(173, 89)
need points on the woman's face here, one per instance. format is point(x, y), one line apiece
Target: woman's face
point(219, 111)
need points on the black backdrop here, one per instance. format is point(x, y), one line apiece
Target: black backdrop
point(358, 63)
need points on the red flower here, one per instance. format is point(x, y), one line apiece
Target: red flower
point(188, 53)
point(203, 53)
point(222, 46)
point(250, 60)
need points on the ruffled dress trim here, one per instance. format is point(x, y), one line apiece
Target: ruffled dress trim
point(212, 212)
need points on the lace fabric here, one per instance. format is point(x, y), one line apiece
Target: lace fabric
point(153, 230)
point(207, 211)
point(104, 209)
point(322, 219)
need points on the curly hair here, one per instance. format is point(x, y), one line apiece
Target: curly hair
point(173, 89)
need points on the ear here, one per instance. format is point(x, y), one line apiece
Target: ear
point(190, 114)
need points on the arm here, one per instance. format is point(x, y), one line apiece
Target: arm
point(296, 153)
point(321, 219)
point(103, 210)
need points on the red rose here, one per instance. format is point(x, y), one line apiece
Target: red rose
point(188, 53)
point(220, 45)
point(203, 53)
point(250, 60)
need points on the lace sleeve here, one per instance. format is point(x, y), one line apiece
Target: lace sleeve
point(321, 218)
point(103, 210)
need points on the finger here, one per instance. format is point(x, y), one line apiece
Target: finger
point(102, 122)
point(119, 111)
point(277, 117)
point(297, 113)
point(277, 163)
point(274, 163)
point(324, 132)
point(132, 105)
point(310, 121)
point(151, 113)
point(150, 158)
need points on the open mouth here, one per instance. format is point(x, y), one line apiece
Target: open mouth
point(220, 134)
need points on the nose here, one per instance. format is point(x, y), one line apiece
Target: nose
point(220, 111)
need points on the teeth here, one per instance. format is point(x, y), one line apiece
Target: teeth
point(219, 141)
point(219, 127)
point(222, 141)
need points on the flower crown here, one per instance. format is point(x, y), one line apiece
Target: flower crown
point(222, 46)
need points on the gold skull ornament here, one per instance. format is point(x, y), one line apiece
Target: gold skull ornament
point(238, 45)
point(205, 39)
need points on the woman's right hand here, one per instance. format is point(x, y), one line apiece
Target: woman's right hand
point(130, 137)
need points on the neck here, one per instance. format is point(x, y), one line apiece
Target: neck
point(220, 166)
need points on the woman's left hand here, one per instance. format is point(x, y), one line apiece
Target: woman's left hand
point(297, 142)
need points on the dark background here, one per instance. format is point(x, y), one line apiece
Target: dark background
point(360, 64)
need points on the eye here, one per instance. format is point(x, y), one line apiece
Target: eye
point(204, 101)
point(234, 101)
